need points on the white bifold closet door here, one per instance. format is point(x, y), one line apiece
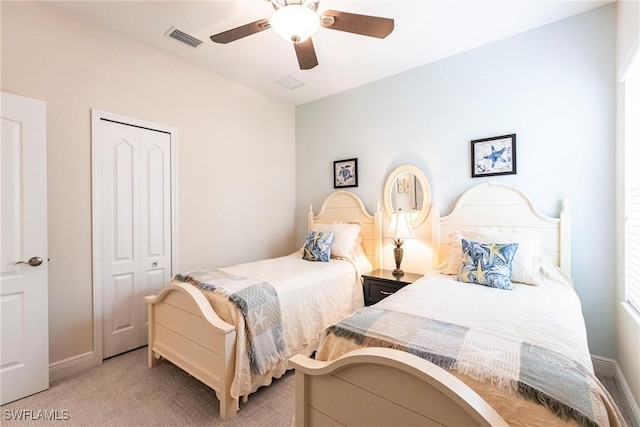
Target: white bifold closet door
point(135, 197)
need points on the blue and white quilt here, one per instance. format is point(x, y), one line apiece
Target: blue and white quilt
point(258, 301)
point(524, 351)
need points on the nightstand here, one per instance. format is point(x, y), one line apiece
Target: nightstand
point(379, 284)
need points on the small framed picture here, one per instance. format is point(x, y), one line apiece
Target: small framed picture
point(345, 173)
point(493, 156)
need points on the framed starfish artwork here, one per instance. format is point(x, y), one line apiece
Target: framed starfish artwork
point(493, 156)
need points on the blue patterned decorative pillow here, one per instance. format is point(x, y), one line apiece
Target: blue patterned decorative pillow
point(487, 264)
point(317, 247)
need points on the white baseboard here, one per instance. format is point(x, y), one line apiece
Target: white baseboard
point(626, 395)
point(604, 366)
point(609, 368)
point(72, 365)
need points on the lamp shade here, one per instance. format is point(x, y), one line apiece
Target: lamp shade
point(294, 22)
point(400, 227)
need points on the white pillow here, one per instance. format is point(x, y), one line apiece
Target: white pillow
point(527, 262)
point(344, 240)
point(360, 258)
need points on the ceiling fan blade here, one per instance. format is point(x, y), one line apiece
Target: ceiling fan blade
point(306, 54)
point(372, 26)
point(240, 32)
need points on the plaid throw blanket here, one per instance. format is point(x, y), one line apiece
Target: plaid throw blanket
point(258, 301)
point(534, 372)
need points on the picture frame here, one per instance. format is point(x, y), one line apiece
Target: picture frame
point(345, 173)
point(493, 156)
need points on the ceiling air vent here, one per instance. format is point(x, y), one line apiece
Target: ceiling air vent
point(183, 37)
point(289, 82)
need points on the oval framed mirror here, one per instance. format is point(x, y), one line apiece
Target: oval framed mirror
point(407, 189)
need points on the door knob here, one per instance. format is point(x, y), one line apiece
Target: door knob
point(33, 261)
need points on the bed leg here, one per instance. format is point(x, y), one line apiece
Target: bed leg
point(301, 393)
point(152, 359)
point(228, 406)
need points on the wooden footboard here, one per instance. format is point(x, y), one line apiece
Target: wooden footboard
point(380, 386)
point(184, 329)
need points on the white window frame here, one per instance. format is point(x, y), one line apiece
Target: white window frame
point(632, 183)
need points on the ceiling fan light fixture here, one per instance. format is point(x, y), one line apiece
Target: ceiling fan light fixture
point(294, 22)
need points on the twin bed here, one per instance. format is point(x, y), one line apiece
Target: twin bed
point(205, 334)
point(487, 356)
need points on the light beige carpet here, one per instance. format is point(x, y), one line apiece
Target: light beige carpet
point(123, 391)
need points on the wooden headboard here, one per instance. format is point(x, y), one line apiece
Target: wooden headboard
point(494, 204)
point(345, 206)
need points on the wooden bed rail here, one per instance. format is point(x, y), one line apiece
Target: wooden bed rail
point(381, 386)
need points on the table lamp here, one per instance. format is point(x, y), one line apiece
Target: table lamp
point(400, 228)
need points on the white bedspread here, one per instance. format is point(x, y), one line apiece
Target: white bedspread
point(313, 295)
point(548, 315)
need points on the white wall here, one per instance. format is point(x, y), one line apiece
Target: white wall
point(627, 320)
point(554, 87)
point(229, 174)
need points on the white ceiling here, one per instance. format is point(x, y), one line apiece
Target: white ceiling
point(425, 31)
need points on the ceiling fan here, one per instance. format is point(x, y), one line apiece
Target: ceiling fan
point(297, 20)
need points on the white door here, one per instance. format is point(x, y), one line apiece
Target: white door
point(24, 330)
point(135, 192)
